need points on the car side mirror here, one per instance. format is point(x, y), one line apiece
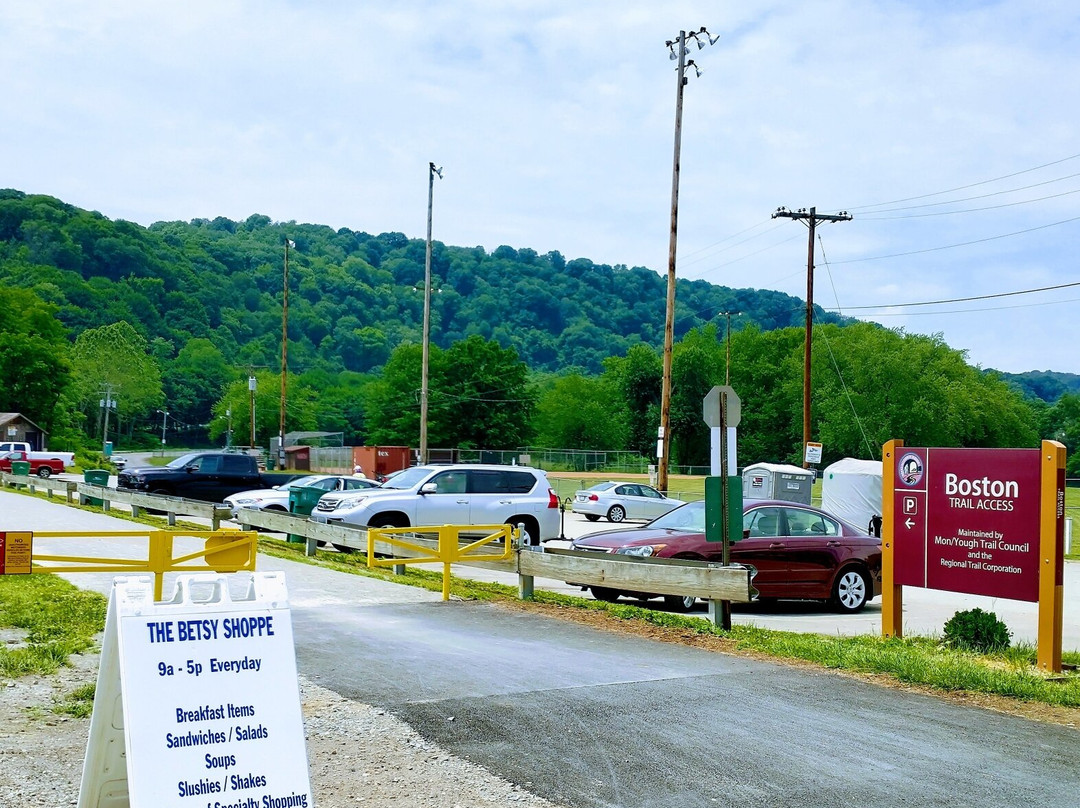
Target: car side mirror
point(190, 468)
point(429, 488)
point(746, 533)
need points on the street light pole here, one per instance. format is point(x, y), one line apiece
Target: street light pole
point(284, 355)
point(663, 444)
point(432, 172)
point(251, 389)
point(164, 423)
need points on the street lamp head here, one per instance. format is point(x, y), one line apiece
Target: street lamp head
point(434, 170)
point(697, 70)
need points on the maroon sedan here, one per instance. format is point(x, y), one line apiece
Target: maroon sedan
point(799, 552)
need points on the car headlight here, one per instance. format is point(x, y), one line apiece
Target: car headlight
point(641, 551)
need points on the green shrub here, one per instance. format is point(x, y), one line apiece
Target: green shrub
point(976, 630)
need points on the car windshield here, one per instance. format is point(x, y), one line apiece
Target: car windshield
point(408, 478)
point(181, 461)
point(602, 487)
point(300, 482)
point(690, 516)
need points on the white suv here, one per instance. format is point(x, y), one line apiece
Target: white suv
point(450, 495)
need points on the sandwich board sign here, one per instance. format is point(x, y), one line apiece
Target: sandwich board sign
point(197, 700)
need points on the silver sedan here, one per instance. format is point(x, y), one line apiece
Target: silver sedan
point(618, 501)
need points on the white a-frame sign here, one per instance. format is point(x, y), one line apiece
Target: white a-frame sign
point(197, 700)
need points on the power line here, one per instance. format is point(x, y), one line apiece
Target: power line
point(967, 299)
point(960, 244)
point(874, 218)
point(878, 316)
point(965, 187)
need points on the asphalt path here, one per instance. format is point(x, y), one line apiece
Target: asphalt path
point(590, 718)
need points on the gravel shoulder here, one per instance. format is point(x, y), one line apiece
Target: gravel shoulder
point(358, 755)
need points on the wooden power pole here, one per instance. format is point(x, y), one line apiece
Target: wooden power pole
point(811, 217)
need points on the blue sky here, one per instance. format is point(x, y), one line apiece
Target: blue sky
point(949, 131)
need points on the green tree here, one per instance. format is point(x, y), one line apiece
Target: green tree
point(34, 361)
point(115, 359)
point(194, 381)
point(580, 412)
point(1061, 422)
point(478, 397)
point(300, 410)
point(697, 365)
point(637, 378)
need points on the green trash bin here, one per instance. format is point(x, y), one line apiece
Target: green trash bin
point(21, 468)
point(95, 477)
point(303, 499)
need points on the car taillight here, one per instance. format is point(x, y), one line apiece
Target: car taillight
point(593, 498)
point(553, 498)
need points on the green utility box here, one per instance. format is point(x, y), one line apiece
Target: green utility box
point(302, 500)
point(94, 477)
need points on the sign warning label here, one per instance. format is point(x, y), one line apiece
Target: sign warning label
point(16, 552)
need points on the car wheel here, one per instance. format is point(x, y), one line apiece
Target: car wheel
point(592, 517)
point(43, 472)
point(616, 514)
point(679, 603)
point(605, 594)
point(851, 591)
point(532, 528)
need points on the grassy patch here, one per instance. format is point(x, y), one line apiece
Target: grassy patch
point(78, 704)
point(56, 620)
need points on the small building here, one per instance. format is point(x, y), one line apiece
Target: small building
point(378, 461)
point(16, 427)
point(778, 481)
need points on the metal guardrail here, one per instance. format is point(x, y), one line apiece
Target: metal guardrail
point(705, 580)
point(170, 506)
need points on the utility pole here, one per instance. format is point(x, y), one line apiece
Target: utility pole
point(432, 172)
point(678, 52)
point(107, 403)
point(811, 218)
point(284, 357)
point(727, 340)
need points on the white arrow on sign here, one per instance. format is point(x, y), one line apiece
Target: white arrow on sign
point(909, 524)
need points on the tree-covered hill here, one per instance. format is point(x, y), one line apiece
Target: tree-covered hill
point(353, 297)
point(1045, 385)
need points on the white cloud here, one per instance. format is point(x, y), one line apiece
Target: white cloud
point(554, 121)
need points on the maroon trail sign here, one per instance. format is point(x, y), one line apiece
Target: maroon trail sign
point(967, 520)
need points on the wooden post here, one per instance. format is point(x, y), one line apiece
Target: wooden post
point(892, 594)
point(1051, 556)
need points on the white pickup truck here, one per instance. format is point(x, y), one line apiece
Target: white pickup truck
point(68, 458)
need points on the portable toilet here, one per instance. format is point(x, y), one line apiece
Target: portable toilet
point(851, 490)
point(778, 481)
